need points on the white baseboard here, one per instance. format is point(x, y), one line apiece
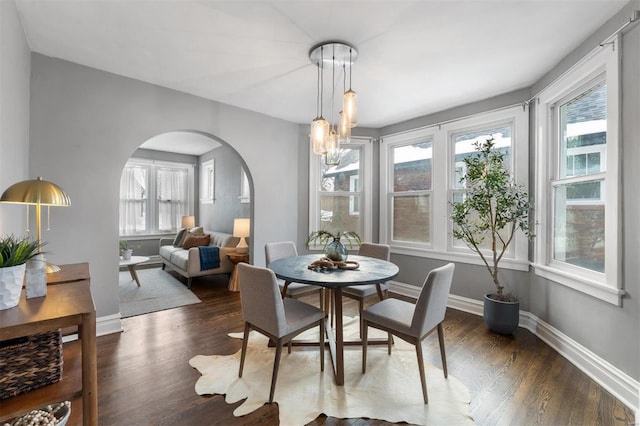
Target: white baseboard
point(619, 384)
point(108, 324)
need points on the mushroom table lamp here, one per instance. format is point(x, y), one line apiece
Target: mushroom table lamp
point(37, 192)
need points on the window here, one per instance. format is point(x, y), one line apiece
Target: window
point(420, 173)
point(463, 147)
point(245, 189)
point(578, 174)
point(154, 196)
point(207, 182)
point(340, 196)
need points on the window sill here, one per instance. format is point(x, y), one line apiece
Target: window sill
point(471, 258)
point(592, 288)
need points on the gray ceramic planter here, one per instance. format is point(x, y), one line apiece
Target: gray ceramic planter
point(501, 317)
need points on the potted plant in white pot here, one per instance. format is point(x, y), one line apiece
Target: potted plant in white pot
point(14, 254)
point(331, 243)
point(493, 209)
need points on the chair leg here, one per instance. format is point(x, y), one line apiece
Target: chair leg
point(365, 330)
point(244, 347)
point(423, 380)
point(442, 352)
point(289, 345)
point(189, 283)
point(360, 309)
point(163, 266)
point(276, 365)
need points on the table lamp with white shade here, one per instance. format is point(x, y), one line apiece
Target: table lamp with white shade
point(242, 229)
point(188, 221)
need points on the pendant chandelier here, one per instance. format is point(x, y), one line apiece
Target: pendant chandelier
point(326, 137)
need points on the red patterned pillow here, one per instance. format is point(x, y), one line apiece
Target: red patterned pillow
point(196, 241)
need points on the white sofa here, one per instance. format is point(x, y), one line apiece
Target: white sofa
point(187, 262)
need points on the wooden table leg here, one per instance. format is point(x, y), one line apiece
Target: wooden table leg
point(87, 332)
point(339, 367)
point(134, 274)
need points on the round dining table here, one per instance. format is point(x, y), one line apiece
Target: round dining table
point(369, 271)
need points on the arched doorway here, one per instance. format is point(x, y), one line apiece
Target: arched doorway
point(171, 175)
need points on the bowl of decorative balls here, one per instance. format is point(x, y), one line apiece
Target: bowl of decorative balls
point(51, 415)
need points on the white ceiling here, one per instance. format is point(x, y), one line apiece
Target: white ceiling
point(415, 57)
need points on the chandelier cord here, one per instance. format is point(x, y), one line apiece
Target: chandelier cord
point(333, 86)
point(321, 79)
point(350, 68)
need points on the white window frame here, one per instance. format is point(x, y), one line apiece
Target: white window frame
point(366, 163)
point(605, 286)
point(443, 169)
point(207, 182)
point(387, 195)
point(152, 199)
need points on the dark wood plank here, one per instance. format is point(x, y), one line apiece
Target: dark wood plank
point(144, 376)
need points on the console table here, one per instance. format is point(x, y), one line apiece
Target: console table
point(67, 304)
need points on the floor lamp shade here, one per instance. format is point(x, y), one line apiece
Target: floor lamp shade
point(37, 192)
point(242, 229)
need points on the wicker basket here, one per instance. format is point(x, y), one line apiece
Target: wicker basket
point(30, 362)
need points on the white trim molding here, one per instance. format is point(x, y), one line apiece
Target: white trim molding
point(619, 384)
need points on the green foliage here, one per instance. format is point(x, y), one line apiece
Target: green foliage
point(126, 245)
point(16, 251)
point(492, 202)
point(325, 237)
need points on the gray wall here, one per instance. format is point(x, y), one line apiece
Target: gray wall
point(226, 206)
point(15, 67)
point(86, 123)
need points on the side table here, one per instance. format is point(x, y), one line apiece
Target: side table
point(236, 258)
point(131, 265)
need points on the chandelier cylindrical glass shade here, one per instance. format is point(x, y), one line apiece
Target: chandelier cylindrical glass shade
point(344, 128)
point(332, 155)
point(319, 135)
point(350, 107)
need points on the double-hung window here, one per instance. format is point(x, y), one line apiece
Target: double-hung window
point(340, 195)
point(578, 177)
point(154, 196)
point(420, 173)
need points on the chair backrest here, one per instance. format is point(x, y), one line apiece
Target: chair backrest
point(432, 302)
point(378, 251)
point(260, 297)
point(275, 251)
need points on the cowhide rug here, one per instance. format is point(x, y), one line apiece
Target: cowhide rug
point(390, 390)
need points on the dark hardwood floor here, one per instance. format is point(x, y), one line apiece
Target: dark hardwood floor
point(144, 377)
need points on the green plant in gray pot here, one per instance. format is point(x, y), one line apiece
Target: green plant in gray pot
point(14, 254)
point(492, 210)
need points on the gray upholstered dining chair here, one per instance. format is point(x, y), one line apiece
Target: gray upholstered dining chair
point(279, 250)
point(265, 311)
point(413, 323)
point(362, 292)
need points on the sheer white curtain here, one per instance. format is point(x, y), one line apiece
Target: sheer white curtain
point(133, 199)
point(172, 195)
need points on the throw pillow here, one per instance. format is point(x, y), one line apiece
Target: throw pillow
point(198, 230)
point(179, 237)
point(196, 241)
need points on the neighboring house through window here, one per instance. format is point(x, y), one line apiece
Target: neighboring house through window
point(340, 196)
point(420, 173)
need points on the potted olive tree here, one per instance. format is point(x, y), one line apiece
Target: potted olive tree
point(14, 253)
point(332, 244)
point(492, 210)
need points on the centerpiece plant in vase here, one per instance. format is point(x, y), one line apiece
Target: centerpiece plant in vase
point(14, 254)
point(492, 210)
point(332, 245)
